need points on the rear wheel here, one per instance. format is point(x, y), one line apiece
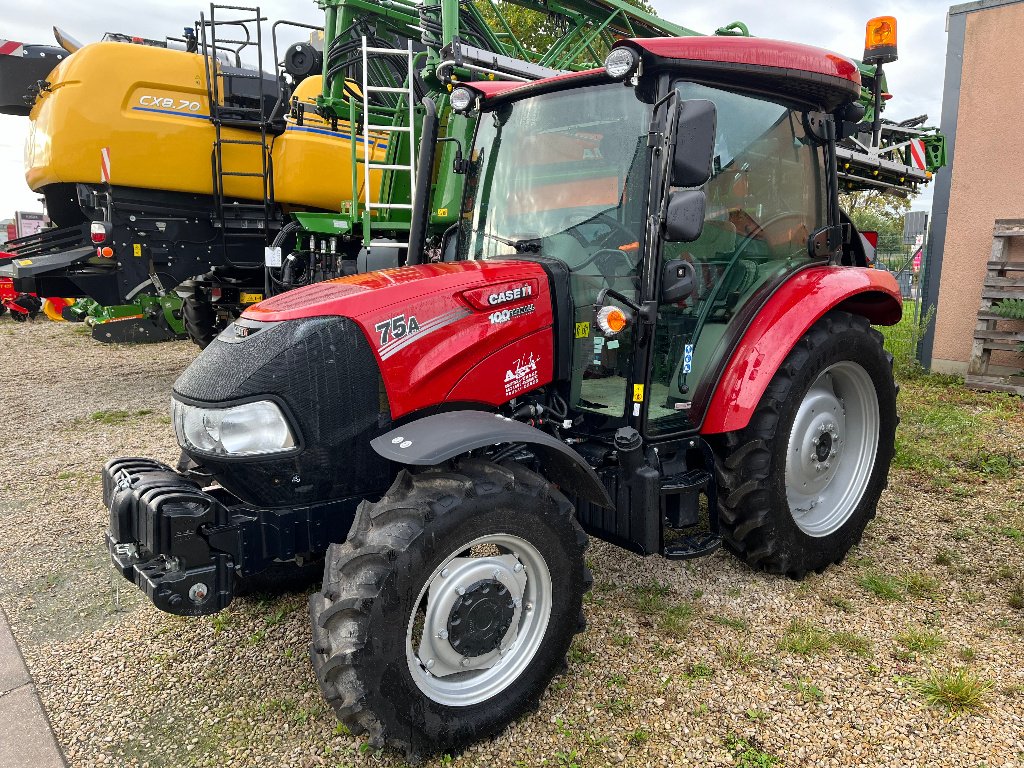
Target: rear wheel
point(800, 483)
point(450, 607)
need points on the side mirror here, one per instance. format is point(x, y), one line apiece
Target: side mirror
point(684, 215)
point(678, 282)
point(696, 122)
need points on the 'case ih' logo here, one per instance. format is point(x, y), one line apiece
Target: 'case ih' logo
point(512, 294)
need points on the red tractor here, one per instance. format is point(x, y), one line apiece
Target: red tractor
point(652, 325)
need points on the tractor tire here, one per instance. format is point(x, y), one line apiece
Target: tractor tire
point(200, 321)
point(800, 483)
point(475, 574)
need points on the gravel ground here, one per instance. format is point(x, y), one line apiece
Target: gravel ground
point(683, 663)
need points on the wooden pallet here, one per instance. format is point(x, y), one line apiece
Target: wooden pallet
point(1003, 280)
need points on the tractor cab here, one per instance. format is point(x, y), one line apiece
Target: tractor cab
point(676, 194)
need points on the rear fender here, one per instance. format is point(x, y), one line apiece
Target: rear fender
point(780, 324)
point(435, 439)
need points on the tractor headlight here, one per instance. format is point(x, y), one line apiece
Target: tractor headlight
point(249, 429)
point(620, 63)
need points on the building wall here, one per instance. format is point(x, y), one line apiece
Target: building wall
point(987, 180)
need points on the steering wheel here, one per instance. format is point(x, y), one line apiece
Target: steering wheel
point(613, 224)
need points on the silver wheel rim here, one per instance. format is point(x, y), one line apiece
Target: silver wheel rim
point(442, 672)
point(832, 448)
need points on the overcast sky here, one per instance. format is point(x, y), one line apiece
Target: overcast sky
point(916, 79)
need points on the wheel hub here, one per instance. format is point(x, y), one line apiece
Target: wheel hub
point(480, 618)
point(832, 447)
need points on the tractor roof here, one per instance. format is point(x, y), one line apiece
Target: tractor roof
point(751, 63)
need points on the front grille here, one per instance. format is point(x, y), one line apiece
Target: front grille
point(325, 373)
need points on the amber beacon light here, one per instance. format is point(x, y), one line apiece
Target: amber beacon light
point(880, 40)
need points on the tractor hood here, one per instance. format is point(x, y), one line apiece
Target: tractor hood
point(472, 331)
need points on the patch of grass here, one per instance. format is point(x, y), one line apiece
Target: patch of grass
point(748, 753)
point(616, 680)
point(918, 640)
point(967, 653)
point(840, 603)
point(651, 598)
point(618, 707)
point(622, 641)
point(698, 670)
point(805, 639)
point(807, 690)
point(957, 691)
point(756, 715)
point(675, 619)
point(117, 417)
point(881, 585)
point(735, 655)
point(638, 737)
point(731, 622)
point(920, 585)
point(945, 557)
point(568, 759)
point(1016, 597)
point(851, 642)
point(578, 653)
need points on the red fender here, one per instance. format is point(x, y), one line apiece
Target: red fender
point(780, 324)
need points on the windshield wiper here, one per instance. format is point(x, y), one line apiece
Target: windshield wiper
point(521, 246)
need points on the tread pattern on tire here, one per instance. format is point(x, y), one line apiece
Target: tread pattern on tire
point(744, 458)
point(358, 570)
point(200, 321)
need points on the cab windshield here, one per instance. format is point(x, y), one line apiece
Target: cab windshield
point(563, 175)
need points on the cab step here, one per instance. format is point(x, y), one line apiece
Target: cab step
point(690, 547)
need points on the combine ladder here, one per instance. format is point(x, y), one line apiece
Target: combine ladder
point(241, 220)
point(394, 167)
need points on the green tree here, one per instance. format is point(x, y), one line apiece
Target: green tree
point(536, 30)
point(876, 212)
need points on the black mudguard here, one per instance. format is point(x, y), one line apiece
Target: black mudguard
point(435, 439)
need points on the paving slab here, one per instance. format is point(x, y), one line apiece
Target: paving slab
point(26, 740)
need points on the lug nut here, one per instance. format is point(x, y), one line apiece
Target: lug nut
point(460, 590)
point(529, 606)
point(429, 664)
point(465, 662)
point(443, 634)
point(518, 568)
point(444, 573)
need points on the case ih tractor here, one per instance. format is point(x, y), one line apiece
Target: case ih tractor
point(651, 300)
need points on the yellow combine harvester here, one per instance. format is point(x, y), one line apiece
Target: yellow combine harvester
point(162, 166)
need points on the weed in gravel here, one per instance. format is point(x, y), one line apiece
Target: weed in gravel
point(881, 585)
point(1016, 597)
point(638, 737)
point(973, 598)
point(568, 759)
point(961, 534)
point(851, 642)
point(220, 622)
point(756, 715)
point(956, 691)
point(698, 670)
point(808, 691)
point(616, 680)
point(675, 619)
point(918, 640)
point(805, 639)
point(731, 622)
point(578, 653)
point(650, 598)
point(117, 417)
point(622, 641)
point(945, 557)
point(1003, 573)
point(735, 655)
point(920, 585)
point(967, 653)
point(1012, 533)
point(748, 754)
point(617, 706)
point(840, 603)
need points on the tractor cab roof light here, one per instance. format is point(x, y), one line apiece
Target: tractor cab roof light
point(880, 40)
point(462, 99)
point(621, 63)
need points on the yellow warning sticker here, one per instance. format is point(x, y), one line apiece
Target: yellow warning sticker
point(25, 262)
point(250, 298)
point(137, 249)
point(442, 212)
point(582, 330)
point(638, 393)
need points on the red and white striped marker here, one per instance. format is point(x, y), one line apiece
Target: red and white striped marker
point(11, 48)
point(917, 154)
point(105, 165)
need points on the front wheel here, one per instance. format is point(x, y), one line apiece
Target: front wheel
point(800, 483)
point(450, 607)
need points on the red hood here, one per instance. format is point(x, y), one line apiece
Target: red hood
point(468, 331)
point(357, 295)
